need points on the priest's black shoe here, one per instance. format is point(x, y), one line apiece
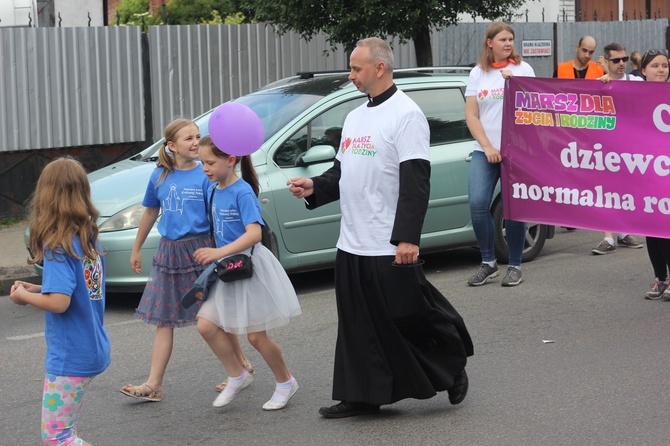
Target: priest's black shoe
point(459, 389)
point(345, 409)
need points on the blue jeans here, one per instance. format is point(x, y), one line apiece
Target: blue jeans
point(481, 183)
point(206, 279)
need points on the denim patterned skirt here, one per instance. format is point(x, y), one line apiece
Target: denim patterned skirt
point(173, 273)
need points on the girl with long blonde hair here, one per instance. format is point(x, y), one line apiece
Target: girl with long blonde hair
point(64, 237)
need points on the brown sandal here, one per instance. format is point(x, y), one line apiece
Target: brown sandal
point(137, 392)
point(224, 383)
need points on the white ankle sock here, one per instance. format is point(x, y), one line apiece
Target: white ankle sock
point(492, 264)
point(282, 391)
point(233, 384)
point(609, 240)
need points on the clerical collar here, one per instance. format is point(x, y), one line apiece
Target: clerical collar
point(373, 102)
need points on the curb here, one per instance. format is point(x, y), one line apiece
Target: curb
point(23, 274)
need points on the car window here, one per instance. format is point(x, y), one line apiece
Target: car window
point(445, 110)
point(277, 109)
point(325, 129)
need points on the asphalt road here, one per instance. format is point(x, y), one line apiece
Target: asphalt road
point(602, 381)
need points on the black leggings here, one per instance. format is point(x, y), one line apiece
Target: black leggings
point(659, 254)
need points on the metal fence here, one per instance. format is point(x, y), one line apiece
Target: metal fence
point(68, 87)
point(462, 42)
point(639, 35)
point(101, 94)
point(75, 87)
point(196, 68)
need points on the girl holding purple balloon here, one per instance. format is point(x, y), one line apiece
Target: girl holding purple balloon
point(252, 305)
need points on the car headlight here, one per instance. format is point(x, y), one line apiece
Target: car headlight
point(129, 218)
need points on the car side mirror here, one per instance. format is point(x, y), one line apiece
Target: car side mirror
point(316, 154)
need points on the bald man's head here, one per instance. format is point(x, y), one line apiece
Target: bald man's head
point(584, 52)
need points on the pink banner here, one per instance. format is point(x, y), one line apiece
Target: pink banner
point(580, 153)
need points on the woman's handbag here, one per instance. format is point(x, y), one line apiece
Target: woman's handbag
point(235, 267)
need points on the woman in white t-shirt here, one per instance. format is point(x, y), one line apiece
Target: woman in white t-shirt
point(483, 113)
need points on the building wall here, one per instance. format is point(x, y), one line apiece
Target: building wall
point(566, 11)
point(75, 13)
point(155, 6)
point(597, 10)
point(634, 9)
point(533, 11)
point(586, 11)
point(16, 12)
point(111, 11)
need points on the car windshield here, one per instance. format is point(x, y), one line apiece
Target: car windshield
point(276, 108)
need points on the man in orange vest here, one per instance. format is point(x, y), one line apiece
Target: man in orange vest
point(581, 67)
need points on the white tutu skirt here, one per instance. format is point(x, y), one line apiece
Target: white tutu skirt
point(266, 300)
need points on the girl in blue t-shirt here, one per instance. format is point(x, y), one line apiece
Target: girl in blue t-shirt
point(175, 193)
point(264, 301)
point(64, 235)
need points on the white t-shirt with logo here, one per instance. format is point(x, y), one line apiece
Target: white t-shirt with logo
point(489, 87)
point(375, 140)
point(629, 77)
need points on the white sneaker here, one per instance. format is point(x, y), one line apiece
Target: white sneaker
point(225, 398)
point(276, 405)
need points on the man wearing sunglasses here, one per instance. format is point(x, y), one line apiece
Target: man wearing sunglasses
point(581, 67)
point(615, 60)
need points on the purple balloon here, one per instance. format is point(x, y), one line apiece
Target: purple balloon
point(236, 129)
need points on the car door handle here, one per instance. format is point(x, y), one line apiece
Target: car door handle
point(468, 158)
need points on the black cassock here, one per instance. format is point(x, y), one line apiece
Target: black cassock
point(398, 336)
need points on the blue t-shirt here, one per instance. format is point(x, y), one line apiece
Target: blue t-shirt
point(232, 209)
point(77, 342)
point(182, 201)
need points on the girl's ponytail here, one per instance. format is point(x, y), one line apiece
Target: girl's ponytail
point(246, 166)
point(166, 161)
point(249, 173)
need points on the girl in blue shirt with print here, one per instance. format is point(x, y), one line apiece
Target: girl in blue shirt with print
point(64, 235)
point(176, 193)
point(266, 300)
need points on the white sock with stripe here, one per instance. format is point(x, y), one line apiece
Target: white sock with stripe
point(282, 391)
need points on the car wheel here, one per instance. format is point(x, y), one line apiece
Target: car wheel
point(536, 235)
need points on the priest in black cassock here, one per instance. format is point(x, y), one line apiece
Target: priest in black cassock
point(398, 337)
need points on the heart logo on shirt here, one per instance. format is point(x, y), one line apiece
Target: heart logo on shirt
point(482, 94)
point(345, 144)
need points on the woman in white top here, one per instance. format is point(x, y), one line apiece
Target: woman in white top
point(483, 113)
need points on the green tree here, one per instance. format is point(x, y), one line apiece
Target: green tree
point(135, 12)
point(346, 21)
point(181, 12)
point(186, 12)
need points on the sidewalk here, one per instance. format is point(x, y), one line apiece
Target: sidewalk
point(13, 255)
